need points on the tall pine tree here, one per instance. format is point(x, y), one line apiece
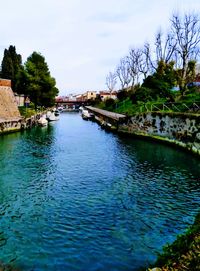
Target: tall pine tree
point(11, 66)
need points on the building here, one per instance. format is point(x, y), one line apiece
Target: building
point(104, 95)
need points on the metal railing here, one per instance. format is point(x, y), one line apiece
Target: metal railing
point(192, 107)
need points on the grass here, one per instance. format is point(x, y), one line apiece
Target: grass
point(162, 105)
point(26, 112)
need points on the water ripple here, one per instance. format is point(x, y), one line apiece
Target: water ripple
point(73, 197)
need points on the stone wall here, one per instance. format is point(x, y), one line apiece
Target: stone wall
point(8, 106)
point(179, 128)
point(9, 126)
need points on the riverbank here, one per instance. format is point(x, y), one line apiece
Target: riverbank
point(178, 129)
point(18, 124)
point(184, 253)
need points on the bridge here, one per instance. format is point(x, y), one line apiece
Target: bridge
point(70, 104)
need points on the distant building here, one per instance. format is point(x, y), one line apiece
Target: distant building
point(104, 95)
point(79, 97)
point(90, 95)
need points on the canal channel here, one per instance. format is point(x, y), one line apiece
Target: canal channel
point(75, 197)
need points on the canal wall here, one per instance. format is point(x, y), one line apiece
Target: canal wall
point(8, 105)
point(15, 125)
point(10, 118)
point(181, 129)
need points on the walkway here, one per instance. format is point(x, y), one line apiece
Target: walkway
point(111, 115)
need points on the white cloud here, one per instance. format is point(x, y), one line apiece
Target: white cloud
point(83, 40)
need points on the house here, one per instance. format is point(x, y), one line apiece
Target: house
point(108, 95)
point(90, 95)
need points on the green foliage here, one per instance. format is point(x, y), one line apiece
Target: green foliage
point(143, 94)
point(109, 102)
point(165, 72)
point(26, 112)
point(160, 83)
point(189, 77)
point(33, 79)
point(11, 66)
point(40, 85)
point(122, 94)
point(184, 251)
point(21, 85)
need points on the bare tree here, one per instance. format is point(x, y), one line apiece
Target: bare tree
point(165, 48)
point(187, 33)
point(123, 73)
point(134, 60)
point(111, 81)
point(146, 65)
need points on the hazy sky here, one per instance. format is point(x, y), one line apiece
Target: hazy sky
point(82, 40)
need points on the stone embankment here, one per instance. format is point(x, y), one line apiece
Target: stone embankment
point(10, 118)
point(14, 125)
point(8, 105)
point(181, 129)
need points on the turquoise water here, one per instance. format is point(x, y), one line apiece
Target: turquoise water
point(74, 197)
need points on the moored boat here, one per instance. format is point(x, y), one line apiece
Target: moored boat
point(52, 115)
point(43, 121)
point(86, 114)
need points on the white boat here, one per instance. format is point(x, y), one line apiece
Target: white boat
point(52, 115)
point(86, 115)
point(60, 109)
point(43, 121)
point(81, 108)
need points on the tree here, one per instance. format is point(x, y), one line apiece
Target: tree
point(40, 84)
point(123, 73)
point(11, 65)
point(111, 81)
point(165, 48)
point(161, 82)
point(21, 84)
point(187, 33)
point(134, 62)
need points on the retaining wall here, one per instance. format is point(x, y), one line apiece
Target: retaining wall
point(14, 125)
point(182, 129)
point(8, 106)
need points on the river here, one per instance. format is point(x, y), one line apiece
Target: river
point(75, 197)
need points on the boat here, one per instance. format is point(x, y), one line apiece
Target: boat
point(53, 115)
point(56, 112)
point(81, 108)
point(42, 121)
point(86, 115)
point(60, 109)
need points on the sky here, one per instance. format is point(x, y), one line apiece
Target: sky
point(83, 40)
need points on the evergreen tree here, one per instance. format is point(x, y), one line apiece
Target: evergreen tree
point(40, 85)
point(11, 65)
